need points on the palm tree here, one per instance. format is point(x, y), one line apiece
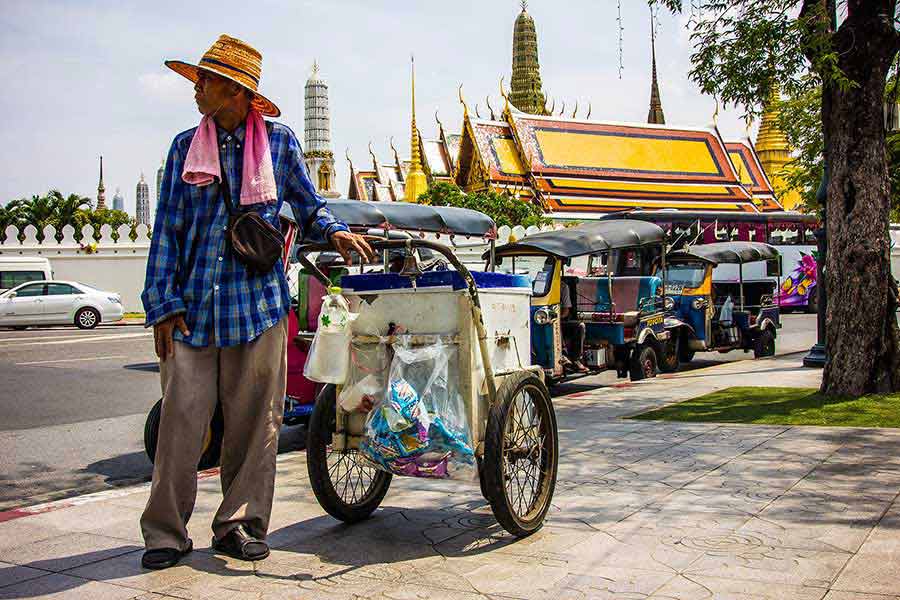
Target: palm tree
point(69, 210)
point(38, 211)
point(11, 214)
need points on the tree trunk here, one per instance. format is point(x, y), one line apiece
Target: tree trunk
point(863, 340)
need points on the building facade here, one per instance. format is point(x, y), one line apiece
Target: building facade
point(317, 134)
point(142, 203)
point(118, 202)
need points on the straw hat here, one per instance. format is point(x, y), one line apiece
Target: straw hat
point(235, 60)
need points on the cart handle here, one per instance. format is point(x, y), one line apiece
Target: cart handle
point(472, 289)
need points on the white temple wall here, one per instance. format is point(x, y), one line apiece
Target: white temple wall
point(108, 264)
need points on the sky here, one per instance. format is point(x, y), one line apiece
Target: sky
point(86, 77)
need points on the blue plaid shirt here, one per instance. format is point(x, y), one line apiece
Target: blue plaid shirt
point(191, 269)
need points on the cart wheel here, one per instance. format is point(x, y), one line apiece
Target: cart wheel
point(764, 344)
point(644, 362)
point(521, 454)
point(671, 360)
point(346, 485)
point(212, 442)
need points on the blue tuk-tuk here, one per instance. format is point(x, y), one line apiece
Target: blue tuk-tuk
point(617, 308)
point(707, 314)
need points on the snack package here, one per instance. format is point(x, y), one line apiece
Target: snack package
point(420, 427)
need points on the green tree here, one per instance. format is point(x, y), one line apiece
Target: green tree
point(37, 211)
point(68, 210)
point(504, 209)
point(11, 214)
point(742, 48)
point(108, 216)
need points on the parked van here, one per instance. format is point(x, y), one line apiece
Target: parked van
point(16, 270)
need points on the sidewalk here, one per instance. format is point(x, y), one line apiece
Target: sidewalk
point(641, 510)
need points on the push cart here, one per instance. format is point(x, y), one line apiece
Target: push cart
point(485, 316)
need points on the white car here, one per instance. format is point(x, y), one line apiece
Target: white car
point(58, 303)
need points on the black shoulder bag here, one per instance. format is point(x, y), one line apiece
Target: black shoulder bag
point(255, 242)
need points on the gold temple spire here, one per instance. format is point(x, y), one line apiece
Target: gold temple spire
point(775, 152)
point(416, 182)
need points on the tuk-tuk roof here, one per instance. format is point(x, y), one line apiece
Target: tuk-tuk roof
point(726, 252)
point(588, 238)
point(412, 217)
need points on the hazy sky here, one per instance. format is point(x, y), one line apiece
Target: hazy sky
point(86, 77)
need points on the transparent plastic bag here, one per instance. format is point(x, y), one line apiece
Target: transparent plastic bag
point(366, 379)
point(420, 427)
point(329, 354)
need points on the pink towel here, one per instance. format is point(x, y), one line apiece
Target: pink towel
point(201, 166)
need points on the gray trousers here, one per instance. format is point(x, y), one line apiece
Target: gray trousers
point(249, 381)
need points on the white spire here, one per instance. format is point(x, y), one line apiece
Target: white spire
point(317, 119)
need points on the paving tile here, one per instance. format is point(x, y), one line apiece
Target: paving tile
point(837, 595)
point(16, 532)
point(743, 558)
point(11, 574)
point(56, 586)
point(824, 536)
point(645, 552)
point(67, 551)
point(126, 570)
point(876, 568)
point(653, 520)
point(693, 587)
point(604, 583)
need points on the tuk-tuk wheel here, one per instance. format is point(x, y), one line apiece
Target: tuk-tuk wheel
point(644, 362)
point(521, 454)
point(212, 441)
point(671, 359)
point(764, 344)
point(346, 485)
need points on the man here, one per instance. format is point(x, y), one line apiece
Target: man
point(574, 333)
point(219, 328)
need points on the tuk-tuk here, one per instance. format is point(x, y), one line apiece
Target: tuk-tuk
point(706, 314)
point(618, 304)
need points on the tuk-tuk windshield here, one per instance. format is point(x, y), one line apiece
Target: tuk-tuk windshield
point(689, 275)
point(538, 267)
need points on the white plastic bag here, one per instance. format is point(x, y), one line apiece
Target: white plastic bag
point(329, 354)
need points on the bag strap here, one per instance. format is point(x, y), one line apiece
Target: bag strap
point(225, 188)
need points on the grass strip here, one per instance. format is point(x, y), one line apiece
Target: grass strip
point(782, 406)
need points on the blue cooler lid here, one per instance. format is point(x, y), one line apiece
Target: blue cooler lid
point(451, 280)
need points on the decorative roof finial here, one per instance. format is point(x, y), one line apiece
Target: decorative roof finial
point(416, 183)
point(477, 112)
point(562, 111)
point(487, 100)
point(575, 112)
point(463, 102)
point(524, 4)
point(590, 108)
point(315, 70)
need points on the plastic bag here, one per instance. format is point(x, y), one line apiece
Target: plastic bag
point(420, 427)
point(329, 354)
point(367, 378)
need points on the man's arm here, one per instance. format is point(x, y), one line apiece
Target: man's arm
point(162, 294)
point(312, 213)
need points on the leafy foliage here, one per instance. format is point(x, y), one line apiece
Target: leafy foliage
point(58, 210)
point(504, 209)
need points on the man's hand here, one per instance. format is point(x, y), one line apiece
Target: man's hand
point(344, 242)
point(162, 335)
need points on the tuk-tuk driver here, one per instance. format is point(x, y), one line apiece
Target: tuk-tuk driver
point(573, 331)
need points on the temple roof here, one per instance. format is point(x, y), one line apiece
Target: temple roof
point(752, 175)
point(577, 165)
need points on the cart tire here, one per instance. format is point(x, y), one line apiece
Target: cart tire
point(522, 396)
point(644, 363)
point(764, 344)
point(373, 483)
point(671, 354)
point(212, 443)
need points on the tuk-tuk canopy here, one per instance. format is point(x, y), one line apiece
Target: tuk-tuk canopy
point(726, 253)
point(588, 238)
point(359, 214)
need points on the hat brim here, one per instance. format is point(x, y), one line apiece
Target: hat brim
point(266, 107)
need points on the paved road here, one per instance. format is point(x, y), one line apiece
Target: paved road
point(73, 404)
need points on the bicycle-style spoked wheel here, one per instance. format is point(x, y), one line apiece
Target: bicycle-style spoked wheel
point(521, 454)
point(346, 485)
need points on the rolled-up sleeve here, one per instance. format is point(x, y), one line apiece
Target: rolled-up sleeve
point(310, 209)
point(162, 296)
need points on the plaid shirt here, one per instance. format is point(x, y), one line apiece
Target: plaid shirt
point(192, 270)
